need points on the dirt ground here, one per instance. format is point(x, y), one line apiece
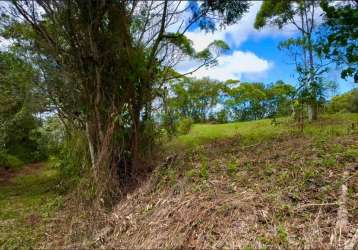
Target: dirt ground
point(6, 176)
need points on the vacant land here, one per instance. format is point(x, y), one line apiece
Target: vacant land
point(247, 185)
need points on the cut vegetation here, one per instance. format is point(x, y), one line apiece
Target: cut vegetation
point(269, 188)
point(117, 131)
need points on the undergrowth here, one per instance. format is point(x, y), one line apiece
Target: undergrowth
point(26, 203)
point(237, 185)
point(8, 161)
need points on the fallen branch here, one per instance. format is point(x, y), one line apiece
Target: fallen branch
point(342, 215)
point(352, 243)
point(317, 204)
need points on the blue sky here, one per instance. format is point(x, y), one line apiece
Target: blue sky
point(254, 54)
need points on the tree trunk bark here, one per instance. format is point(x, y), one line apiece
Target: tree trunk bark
point(135, 137)
point(312, 111)
point(90, 145)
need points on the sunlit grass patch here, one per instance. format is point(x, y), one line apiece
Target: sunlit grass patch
point(248, 131)
point(25, 202)
point(262, 130)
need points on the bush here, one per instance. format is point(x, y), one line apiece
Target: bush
point(222, 116)
point(8, 161)
point(19, 136)
point(72, 158)
point(170, 124)
point(184, 125)
point(151, 136)
point(347, 102)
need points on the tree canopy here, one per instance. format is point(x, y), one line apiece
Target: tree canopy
point(339, 34)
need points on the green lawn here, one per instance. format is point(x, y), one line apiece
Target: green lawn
point(25, 203)
point(256, 131)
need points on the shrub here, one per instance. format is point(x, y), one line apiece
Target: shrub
point(232, 168)
point(347, 102)
point(184, 125)
point(151, 136)
point(73, 158)
point(8, 161)
point(222, 116)
point(169, 123)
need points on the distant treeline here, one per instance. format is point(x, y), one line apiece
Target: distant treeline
point(207, 100)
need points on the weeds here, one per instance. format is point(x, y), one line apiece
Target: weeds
point(24, 204)
point(248, 187)
point(204, 170)
point(232, 168)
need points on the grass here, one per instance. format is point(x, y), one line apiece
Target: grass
point(204, 133)
point(280, 178)
point(221, 184)
point(25, 202)
point(8, 161)
point(261, 130)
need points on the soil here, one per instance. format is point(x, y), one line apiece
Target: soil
point(6, 176)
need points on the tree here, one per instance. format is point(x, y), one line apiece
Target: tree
point(280, 97)
point(339, 36)
point(301, 15)
point(247, 101)
point(105, 62)
point(20, 101)
point(347, 102)
point(195, 98)
point(251, 101)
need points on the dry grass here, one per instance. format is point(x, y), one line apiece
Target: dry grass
point(282, 191)
point(282, 194)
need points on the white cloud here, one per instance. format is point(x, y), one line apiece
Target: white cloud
point(239, 63)
point(235, 35)
point(233, 67)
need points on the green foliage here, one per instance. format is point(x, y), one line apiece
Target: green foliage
point(275, 12)
point(351, 153)
point(282, 234)
point(182, 42)
point(232, 168)
point(251, 101)
point(222, 116)
point(102, 76)
point(204, 169)
point(347, 102)
point(251, 132)
point(169, 123)
point(193, 98)
point(210, 14)
point(302, 49)
point(184, 125)
point(20, 100)
point(199, 100)
point(25, 203)
point(72, 158)
point(151, 137)
point(339, 36)
point(8, 161)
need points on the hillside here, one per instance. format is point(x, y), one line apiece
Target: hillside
point(242, 185)
point(178, 124)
